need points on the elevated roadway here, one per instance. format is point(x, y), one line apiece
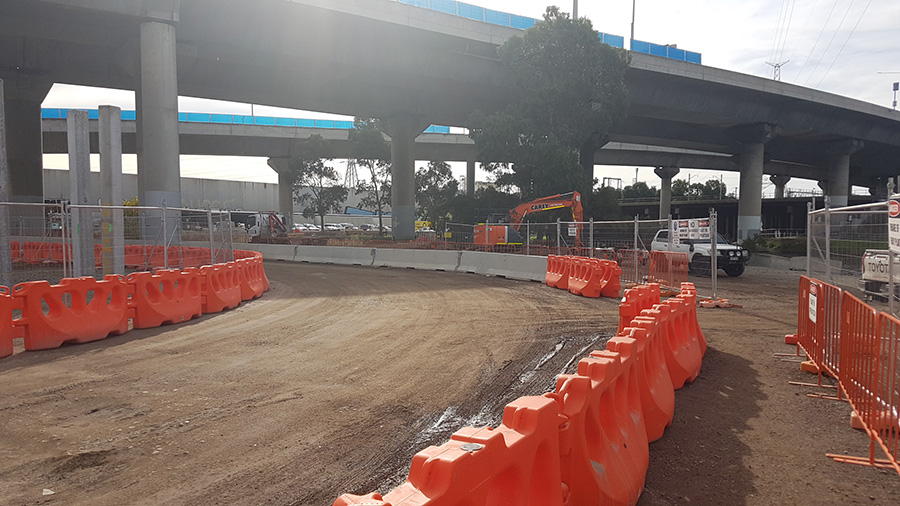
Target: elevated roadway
point(410, 67)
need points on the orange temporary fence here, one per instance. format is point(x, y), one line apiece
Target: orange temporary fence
point(164, 297)
point(668, 268)
point(587, 442)
point(78, 310)
point(635, 265)
point(851, 341)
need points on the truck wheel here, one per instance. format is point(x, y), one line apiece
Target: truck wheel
point(734, 270)
point(700, 266)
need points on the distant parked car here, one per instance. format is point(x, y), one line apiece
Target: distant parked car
point(333, 228)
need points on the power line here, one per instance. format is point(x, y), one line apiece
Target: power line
point(833, 36)
point(845, 43)
point(786, 31)
point(817, 40)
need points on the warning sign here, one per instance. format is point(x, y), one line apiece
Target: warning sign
point(894, 223)
point(813, 300)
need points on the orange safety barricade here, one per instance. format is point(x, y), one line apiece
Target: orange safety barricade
point(655, 384)
point(253, 278)
point(79, 310)
point(636, 300)
point(220, 287)
point(7, 330)
point(166, 296)
point(604, 449)
point(591, 276)
point(613, 286)
point(558, 271)
point(695, 333)
point(515, 463)
point(683, 354)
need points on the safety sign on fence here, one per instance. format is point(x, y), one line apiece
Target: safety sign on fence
point(813, 301)
point(694, 229)
point(894, 223)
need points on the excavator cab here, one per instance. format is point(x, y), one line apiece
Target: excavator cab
point(497, 233)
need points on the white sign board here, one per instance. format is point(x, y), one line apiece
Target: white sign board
point(894, 223)
point(573, 229)
point(674, 238)
point(697, 229)
point(813, 300)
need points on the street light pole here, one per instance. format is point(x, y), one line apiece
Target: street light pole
point(633, 2)
point(575, 10)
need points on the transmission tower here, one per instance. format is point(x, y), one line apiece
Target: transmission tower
point(777, 67)
point(350, 177)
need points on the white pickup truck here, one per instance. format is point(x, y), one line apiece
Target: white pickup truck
point(731, 258)
point(875, 278)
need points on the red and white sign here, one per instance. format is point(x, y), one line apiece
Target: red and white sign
point(894, 223)
point(813, 301)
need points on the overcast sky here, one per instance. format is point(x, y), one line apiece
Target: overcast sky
point(847, 47)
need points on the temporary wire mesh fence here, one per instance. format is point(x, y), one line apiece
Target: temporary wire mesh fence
point(54, 241)
point(838, 240)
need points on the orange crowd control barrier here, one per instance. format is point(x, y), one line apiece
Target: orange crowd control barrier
point(587, 442)
point(636, 300)
point(78, 310)
point(220, 287)
point(590, 277)
point(846, 338)
point(165, 297)
point(7, 330)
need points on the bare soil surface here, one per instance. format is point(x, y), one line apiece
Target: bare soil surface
point(333, 379)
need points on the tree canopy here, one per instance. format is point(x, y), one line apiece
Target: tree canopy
point(712, 188)
point(373, 153)
point(570, 92)
point(435, 190)
point(309, 172)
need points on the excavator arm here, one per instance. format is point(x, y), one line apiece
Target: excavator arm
point(571, 200)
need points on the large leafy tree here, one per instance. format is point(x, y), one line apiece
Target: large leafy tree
point(712, 188)
point(639, 190)
point(435, 190)
point(373, 155)
point(570, 92)
point(316, 184)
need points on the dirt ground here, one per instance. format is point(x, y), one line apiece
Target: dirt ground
point(338, 375)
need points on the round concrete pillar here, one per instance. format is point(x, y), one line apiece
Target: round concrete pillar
point(780, 181)
point(665, 189)
point(750, 201)
point(159, 175)
point(285, 189)
point(403, 130)
point(470, 178)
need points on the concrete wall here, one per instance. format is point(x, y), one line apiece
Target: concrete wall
point(519, 267)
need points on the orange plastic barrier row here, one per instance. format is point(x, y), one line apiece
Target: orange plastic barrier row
point(80, 310)
point(590, 277)
point(635, 300)
point(858, 345)
point(668, 268)
point(587, 442)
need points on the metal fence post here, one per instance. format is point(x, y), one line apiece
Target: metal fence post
point(230, 238)
point(212, 253)
point(670, 234)
point(636, 232)
point(809, 209)
point(527, 238)
point(713, 251)
point(165, 238)
point(592, 237)
point(5, 253)
point(828, 239)
point(890, 193)
point(558, 237)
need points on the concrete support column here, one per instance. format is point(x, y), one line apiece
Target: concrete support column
point(470, 178)
point(752, 139)
point(24, 150)
point(780, 181)
point(750, 201)
point(285, 189)
point(403, 130)
point(79, 191)
point(5, 254)
point(158, 171)
point(113, 227)
point(838, 164)
point(665, 189)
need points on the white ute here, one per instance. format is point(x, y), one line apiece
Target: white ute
point(731, 258)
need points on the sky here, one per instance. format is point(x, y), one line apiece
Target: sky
point(846, 47)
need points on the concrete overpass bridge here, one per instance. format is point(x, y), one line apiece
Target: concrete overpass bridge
point(409, 66)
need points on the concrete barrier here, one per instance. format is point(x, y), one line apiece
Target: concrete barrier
point(519, 267)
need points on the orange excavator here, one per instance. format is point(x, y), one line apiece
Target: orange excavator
point(488, 233)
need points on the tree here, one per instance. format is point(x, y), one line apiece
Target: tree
point(309, 172)
point(603, 204)
point(373, 153)
point(712, 188)
point(640, 190)
point(435, 189)
point(570, 92)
